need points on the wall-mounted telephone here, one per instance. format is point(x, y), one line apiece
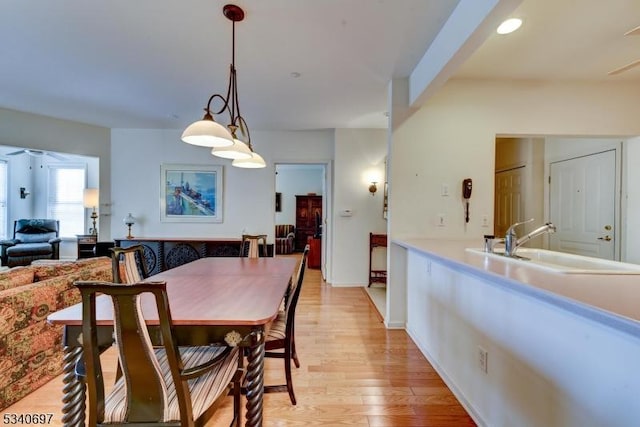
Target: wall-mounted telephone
point(466, 194)
point(466, 188)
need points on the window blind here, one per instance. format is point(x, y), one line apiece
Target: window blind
point(66, 185)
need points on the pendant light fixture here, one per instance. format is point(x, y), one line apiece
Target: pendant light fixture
point(239, 150)
point(208, 133)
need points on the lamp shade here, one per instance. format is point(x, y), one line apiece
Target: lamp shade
point(239, 150)
point(129, 220)
point(207, 133)
point(254, 162)
point(90, 198)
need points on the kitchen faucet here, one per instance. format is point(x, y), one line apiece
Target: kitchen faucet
point(512, 242)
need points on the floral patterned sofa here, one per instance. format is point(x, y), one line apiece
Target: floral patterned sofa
point(30, 348)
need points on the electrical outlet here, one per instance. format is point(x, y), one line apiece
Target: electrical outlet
point(483, 360)
point(485, 221)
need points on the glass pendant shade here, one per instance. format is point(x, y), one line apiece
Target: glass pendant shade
point(254, 162)
point(207, 133)
point(239, 150)
point(129, 220)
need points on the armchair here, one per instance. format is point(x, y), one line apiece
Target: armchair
point(285, 238)
point(32, 239)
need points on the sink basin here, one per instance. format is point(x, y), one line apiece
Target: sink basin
point(561, 262)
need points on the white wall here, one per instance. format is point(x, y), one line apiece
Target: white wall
point(359, 154)
point(20, 175)
point(452, 137)
point(248, 198)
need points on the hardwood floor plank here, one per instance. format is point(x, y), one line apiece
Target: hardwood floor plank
point(353, 372)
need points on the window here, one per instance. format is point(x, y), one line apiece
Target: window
point(66, 185)
point(3, 199)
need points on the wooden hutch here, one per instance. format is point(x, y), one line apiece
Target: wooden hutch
point(307, 208)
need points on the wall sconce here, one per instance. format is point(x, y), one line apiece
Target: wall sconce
point(129, 221)
point(373, 188)
point(90, 198)
point(24, 193)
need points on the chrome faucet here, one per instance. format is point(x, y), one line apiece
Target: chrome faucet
point(512, 242)
point(490, 241)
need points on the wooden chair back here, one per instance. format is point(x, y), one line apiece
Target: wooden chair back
point(152, 378)
point(129, 264)
point(255, 243)
point(294, 292)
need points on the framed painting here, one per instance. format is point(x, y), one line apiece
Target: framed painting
point(190, 193)
point(278, 202)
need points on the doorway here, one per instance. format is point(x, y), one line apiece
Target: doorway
point(295, 183)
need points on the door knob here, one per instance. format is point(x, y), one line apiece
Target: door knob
point(605, 238)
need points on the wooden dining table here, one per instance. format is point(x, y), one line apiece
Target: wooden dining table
point(227, 301)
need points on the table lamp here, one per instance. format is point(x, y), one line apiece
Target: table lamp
point(91, 199)
point(129, 220)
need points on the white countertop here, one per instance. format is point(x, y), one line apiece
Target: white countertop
point(613, 299)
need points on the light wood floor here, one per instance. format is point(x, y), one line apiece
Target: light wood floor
point(353, 372)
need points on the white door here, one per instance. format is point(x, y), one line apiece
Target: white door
point(582, 205)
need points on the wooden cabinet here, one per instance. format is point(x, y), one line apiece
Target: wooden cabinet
point(86, 245)
point(307, 209)
point(315, 246)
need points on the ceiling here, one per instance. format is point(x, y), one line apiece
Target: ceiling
point(154, 63)
point(578, 40)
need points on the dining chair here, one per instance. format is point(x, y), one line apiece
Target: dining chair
point(129, 264)
point(253, 241)
point(165, 385)
point(281, 336)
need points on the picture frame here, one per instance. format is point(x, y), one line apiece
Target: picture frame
point(191, 193)
point(278, 202)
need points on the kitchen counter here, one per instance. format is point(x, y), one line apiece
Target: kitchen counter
point(519, 345)
point(617, 294)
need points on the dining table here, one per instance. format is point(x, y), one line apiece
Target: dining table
point(214, 300)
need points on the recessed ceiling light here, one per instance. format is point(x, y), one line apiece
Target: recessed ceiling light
point(295, 74)
point(509, 26)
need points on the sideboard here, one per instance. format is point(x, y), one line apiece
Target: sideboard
point(165, 253)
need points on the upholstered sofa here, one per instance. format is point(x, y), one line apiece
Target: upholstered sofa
point(31, 350)
point(285, 238)
point(32, 239)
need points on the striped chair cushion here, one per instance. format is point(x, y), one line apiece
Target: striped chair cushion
point(283, 230)
point(278, 328)
point(204, 389)
point(129, 272)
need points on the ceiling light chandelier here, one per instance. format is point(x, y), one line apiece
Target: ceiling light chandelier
point(208, 133)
